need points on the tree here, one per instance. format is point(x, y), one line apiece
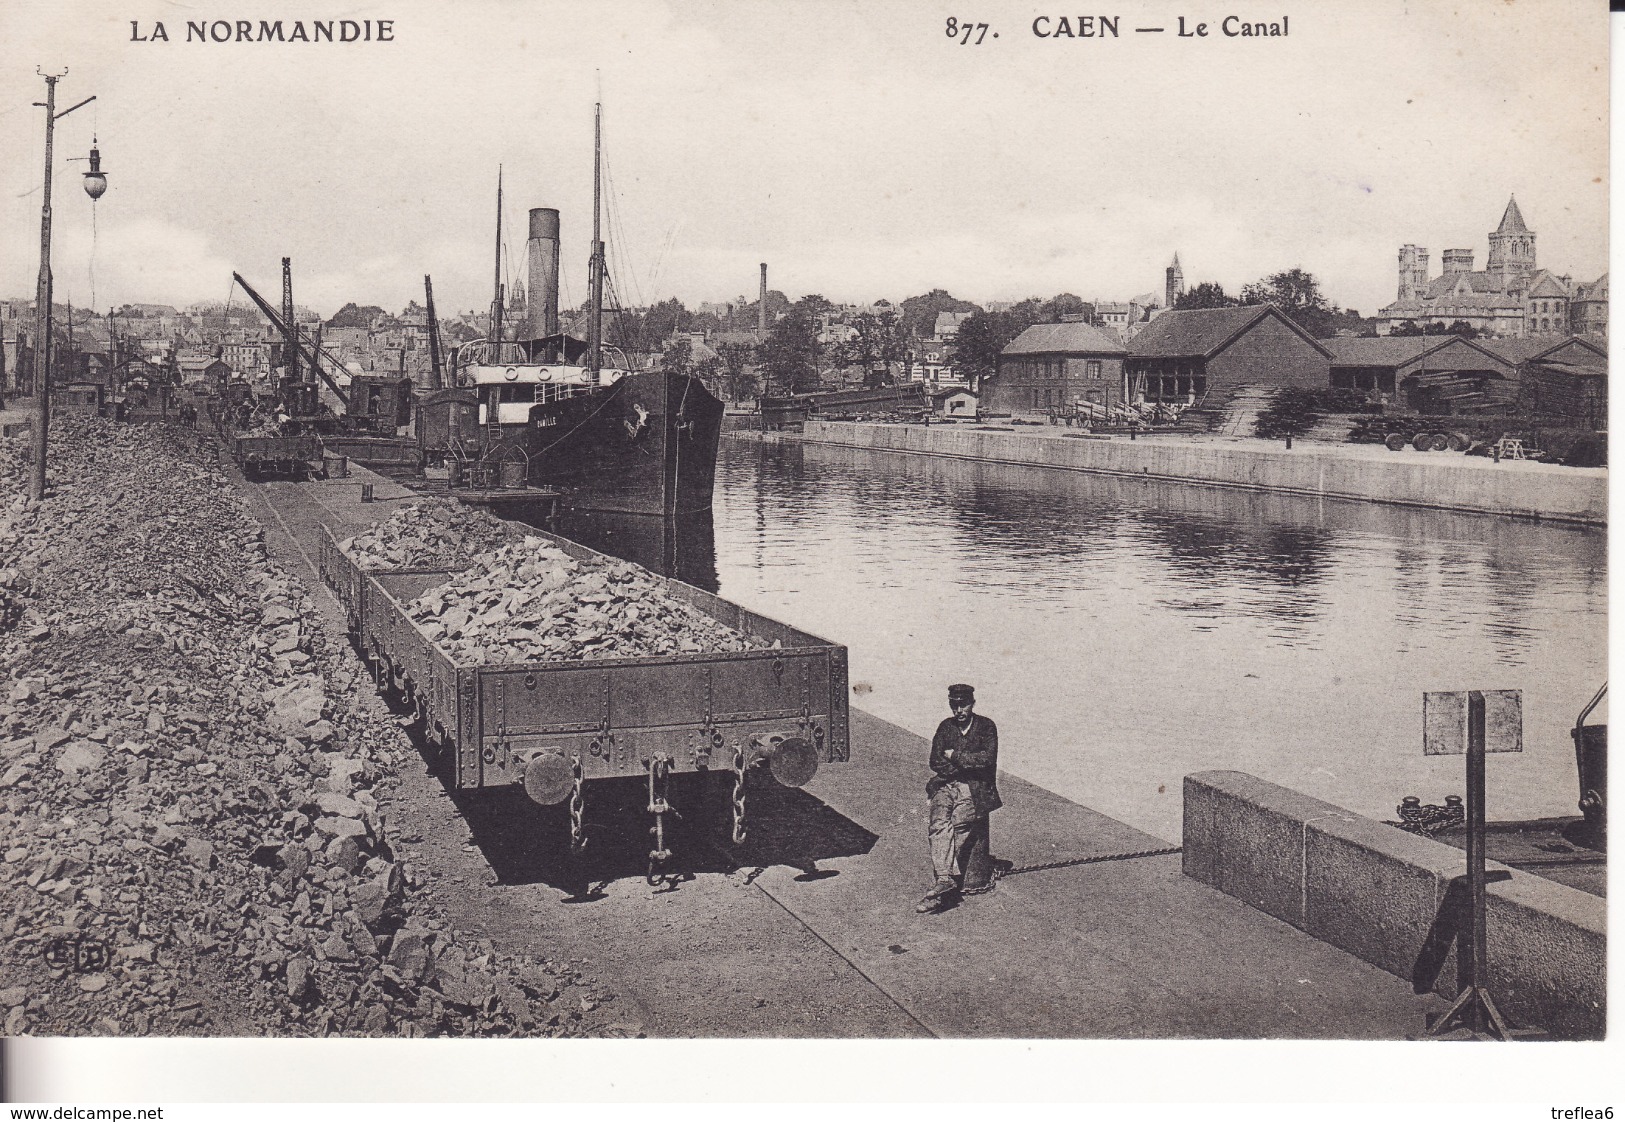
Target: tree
point(878, 344)
point(789, 356)
point(1297, 294)
point(660, 322)
point(920, 312)
point(678, 355)
point(356, 315)
point(745, 317)
point(735, 359)
point(710, 373)
point(982, 335)
point(1463, 328)
point(1205, 295)
point(1059, 307)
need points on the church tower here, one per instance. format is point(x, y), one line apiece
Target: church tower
point(1413, 272)
point(1174, 285)
point(1512, 251)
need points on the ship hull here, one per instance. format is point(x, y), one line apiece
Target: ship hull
point(647, 444)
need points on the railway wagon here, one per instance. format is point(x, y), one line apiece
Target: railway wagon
point(554, 727)
point(292, 455)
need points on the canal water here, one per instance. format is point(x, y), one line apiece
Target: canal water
point(1124, 633)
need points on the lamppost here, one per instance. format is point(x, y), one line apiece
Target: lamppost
point(95, 184)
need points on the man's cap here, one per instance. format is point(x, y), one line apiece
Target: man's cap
point(959, 691)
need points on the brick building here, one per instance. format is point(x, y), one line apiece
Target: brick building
point(1056, 365)
point(1200, 355)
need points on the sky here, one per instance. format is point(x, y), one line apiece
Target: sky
point(854, 147)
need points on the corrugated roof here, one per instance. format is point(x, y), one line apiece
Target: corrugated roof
point(1065, 338)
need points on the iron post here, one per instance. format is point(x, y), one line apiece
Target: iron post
point(42, 294)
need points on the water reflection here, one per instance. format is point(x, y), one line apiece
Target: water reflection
point(1127, 632)
point(684, 547)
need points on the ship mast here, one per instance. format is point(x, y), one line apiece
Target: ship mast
point(496, 299)
point(595, 267)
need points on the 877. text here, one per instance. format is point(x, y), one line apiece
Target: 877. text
point(966, 34)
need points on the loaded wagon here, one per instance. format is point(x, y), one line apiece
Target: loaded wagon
point(285, 455)
point(557, 727)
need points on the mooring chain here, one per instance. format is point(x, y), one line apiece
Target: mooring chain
point(578, 802)
point(659, 769)
point(739, 795)
point(1096, 859)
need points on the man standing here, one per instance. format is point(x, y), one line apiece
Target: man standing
point(963, 792)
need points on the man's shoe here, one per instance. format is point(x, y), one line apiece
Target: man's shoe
point(938, 897)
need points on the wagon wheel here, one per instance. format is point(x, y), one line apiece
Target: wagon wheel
point(1395, 442)
point(1422, 441)
point(1439, 443)
point(1460, 442)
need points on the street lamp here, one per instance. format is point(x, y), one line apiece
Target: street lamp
point(95, 178)
point(95, 184)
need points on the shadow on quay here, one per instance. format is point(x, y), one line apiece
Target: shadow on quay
point(527, 844)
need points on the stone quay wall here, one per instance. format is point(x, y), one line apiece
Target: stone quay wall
point(1542, 492)
point(1376, 892)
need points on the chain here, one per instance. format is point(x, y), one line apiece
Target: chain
point(1088, 861)
point(739, 795)
point(659, 768)
point(578, 837)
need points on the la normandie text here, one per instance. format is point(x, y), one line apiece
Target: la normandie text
point(271, 31)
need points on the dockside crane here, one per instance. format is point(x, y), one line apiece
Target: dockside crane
point(437, 378)
point(290, 332)
point(290, 327)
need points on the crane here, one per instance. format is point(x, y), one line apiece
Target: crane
point(290, 330)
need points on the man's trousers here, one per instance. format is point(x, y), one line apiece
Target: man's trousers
point(958, 837)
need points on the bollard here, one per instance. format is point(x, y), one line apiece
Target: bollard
point(366, 492)
point(1289, 442)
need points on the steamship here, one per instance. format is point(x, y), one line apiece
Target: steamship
point(573, 411)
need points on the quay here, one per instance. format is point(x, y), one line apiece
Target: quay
point(1369, 473)
point(809, 929)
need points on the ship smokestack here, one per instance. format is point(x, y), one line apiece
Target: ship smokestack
point(542, 281)
point(761, 306)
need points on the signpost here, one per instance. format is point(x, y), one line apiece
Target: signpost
point(1473, 723)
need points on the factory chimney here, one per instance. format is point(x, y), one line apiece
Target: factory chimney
point(761, 306)
point(542, 280)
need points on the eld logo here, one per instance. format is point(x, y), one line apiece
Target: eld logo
point(82, 954)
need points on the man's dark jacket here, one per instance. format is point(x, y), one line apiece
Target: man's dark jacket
point(975, 761)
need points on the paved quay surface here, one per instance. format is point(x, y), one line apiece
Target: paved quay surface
point(810, 930)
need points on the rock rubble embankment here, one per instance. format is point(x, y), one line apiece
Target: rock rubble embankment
point(194, 833)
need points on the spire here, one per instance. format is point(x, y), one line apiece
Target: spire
point(1512, 220)
point(1176, 259)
